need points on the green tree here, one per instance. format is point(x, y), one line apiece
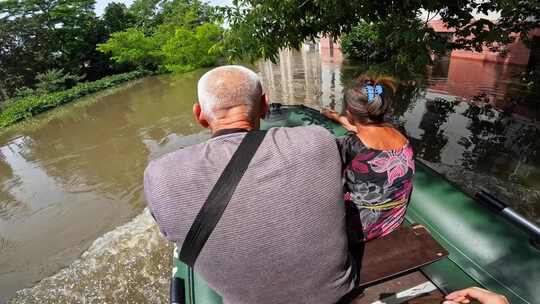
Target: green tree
point(186, 38)
point(187, 50)
point(147, 14)
point(39, 35)
point(178, 50)
point(133, 46)
point(117, 17)
point(261, 28)
point(362, 42)
point(404, 46)
point(189, 12)
point(50, 81)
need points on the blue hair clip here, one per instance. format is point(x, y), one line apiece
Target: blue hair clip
point(371, 91)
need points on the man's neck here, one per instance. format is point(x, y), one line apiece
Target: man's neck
point(234, 118)
point(245, 125)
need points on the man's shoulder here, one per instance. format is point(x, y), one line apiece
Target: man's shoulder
point(312, 131)
point(306, 129)
point(172, 161)
point(314, 136)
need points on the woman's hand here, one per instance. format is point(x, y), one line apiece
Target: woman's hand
point(330, 114)
point(333, 115)
point(483, 296)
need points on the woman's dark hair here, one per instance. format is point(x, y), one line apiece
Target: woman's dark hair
point(370, 110)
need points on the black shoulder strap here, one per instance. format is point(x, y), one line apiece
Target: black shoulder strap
point(218, 199)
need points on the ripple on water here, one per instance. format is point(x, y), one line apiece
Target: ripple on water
point(11, 208)
point(5, 244)
point(127, 265)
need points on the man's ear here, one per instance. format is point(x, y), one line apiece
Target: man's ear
point(264, 106)
point(199, 115)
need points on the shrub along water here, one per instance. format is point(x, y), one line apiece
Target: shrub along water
point(20, 109)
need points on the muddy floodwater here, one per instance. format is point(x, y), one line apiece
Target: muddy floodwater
point(71, 202)
point(75, 173)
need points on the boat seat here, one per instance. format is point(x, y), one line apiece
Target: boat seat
point(403, 251)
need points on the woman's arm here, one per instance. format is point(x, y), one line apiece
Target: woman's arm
point(339, 118)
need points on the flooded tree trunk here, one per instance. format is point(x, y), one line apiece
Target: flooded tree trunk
point(3, 94)
point(331, 45)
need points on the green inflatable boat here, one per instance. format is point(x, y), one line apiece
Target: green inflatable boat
point(489, 245)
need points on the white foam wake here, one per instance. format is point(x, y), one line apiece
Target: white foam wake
point(130, 264)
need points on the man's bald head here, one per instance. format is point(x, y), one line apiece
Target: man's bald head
point(226, 87)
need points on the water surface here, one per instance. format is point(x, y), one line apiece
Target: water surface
point(470, 120)
point(75, 173)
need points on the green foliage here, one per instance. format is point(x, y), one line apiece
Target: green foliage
point(187, 39)
point(40, 35)
point(23, 92)
point(51, 81)
point(261, 28)
point(188, 50)
point(133, 46)
point(117, 17)
point(55, 80)
point(146, 14)
point(151, 14)
point(362, 42)
point(29, 106)
point(403, 46)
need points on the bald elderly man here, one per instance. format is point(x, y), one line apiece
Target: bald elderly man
point(281, 239)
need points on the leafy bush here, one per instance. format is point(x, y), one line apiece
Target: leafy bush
point(403, 46)
point(188, 50)
point(133, 46)
point(186, 36)
point(361, 42)
point(20, 109)
point(48, 82)
point(55, 80)
point(172, 48)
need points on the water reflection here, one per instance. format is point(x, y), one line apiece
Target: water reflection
point(475, 80)
point(303, 78)
point(433, 139)
point(469, 119)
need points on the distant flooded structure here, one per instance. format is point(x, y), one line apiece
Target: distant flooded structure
point(475, 80)
point(314, 75)
point(310, 76)
point(330, 49)
point(516, 53)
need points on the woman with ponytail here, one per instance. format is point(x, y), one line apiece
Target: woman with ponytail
point(377, 160)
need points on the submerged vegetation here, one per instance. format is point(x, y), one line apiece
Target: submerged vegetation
point(31, 105)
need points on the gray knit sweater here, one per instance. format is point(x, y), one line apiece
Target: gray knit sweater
point(282, 237)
